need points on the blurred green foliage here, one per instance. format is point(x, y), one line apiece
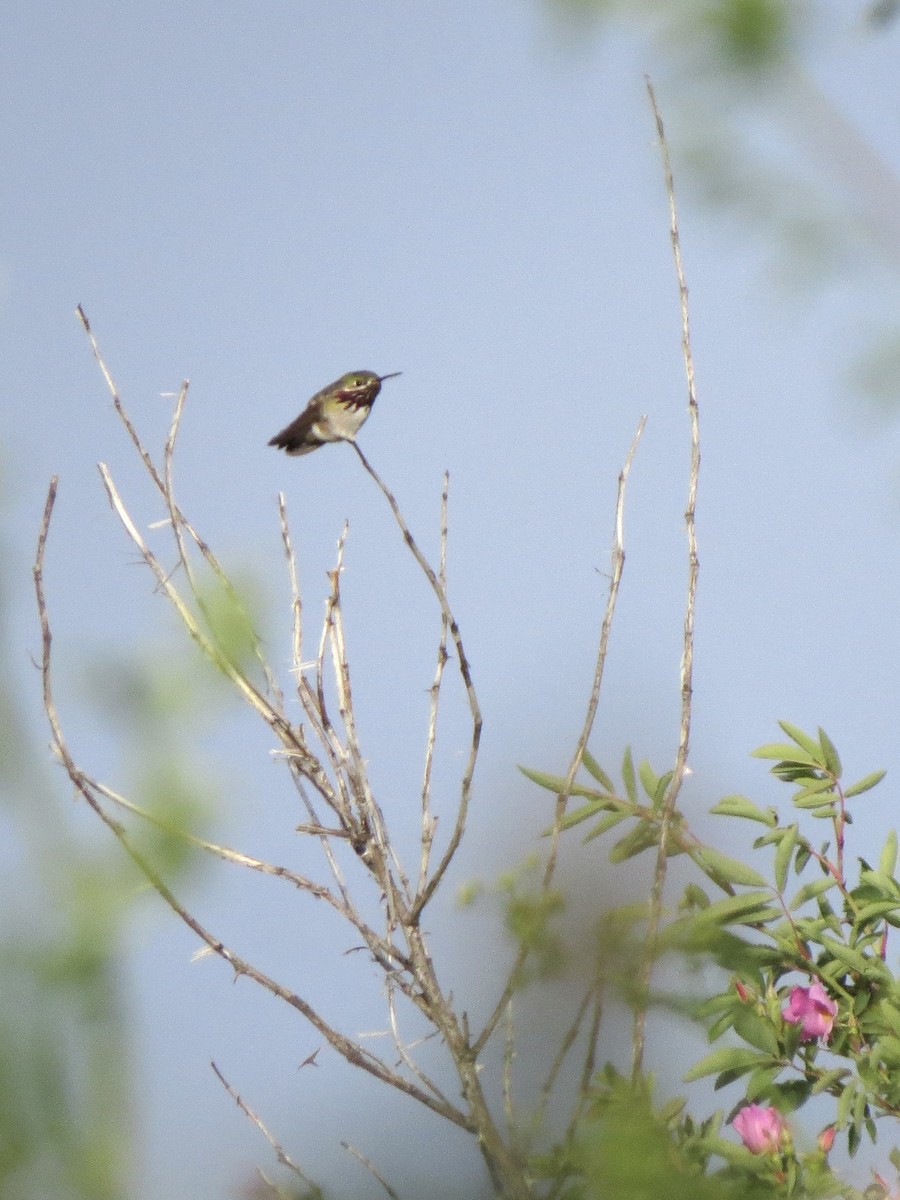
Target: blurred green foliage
point(66, 1121)
point(809, 921)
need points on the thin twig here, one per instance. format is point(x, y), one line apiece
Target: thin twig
point(382, 948)
point(280, 1153)
point(405, 1057)
point(429, 822)
point(169, 487)
point(440, 592)
point(593, 998)
point(370, 1167)
point(117, 404)
point(670, 799)
point(378, 850)
point(509, 1054)
point(345, 1046)
point(618, 566)
point(296, 601)
point(176, 517)
point(568, 1040)
point(212, 652)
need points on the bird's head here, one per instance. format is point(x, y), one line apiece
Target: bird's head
point(360, 387)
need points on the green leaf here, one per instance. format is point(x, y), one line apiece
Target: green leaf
point(740, 806)
point(827, 813)
point(672, 1110)
point(874, 912)
point(809, 891)
point(694, 898)
point(791, 1094)
point(831, 756)
point(634, 843)
point(593, 768)
point(887, 863)
point(803, 740)
point(628, 777)
point(829, 1079)
point(783, 856)
point(735, 908)
point(849, 957)
point(811, 800)
point(785, 752)
point(887, 1051)
point(605, 823)
point(816, 805)
point(648, 779)
point(846, 1101)
point(865, 784)
point(755, 1030)
point(767, 839)
point(728, 1058)
point(761, 1080)
point(662, 786)
point(719, 865)
point(815, 788)
point(577, 817)
point(557, 783)
point(800, 773)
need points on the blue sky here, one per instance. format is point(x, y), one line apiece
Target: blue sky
point(260, 200)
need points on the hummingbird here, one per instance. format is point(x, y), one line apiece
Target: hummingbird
point(335, 414)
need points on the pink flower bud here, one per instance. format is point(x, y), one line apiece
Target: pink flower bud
point(760, 1129)
point(813, 1010)
point(825, 1139)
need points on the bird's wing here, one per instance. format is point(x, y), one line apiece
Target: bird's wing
point(295, 438)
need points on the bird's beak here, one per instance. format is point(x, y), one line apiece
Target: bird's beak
point(393, 375)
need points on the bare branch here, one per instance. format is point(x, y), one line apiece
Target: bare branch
point(117, 404)
point(383, 949)
point(670, 799)
point(163, 579)
point(338, 778)
point(565, 1046)
point(426, 892)
point(296, 603)
point(164, 484)
point(405, 1057)
point(618, 566)
point(280, 1153)
point(367, 1163)
point(376, 851)
point(346, 1047)
point(509, 1054)
point(429, 822)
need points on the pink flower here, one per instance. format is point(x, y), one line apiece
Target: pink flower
point(759, 1128)
point(812, 1009)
